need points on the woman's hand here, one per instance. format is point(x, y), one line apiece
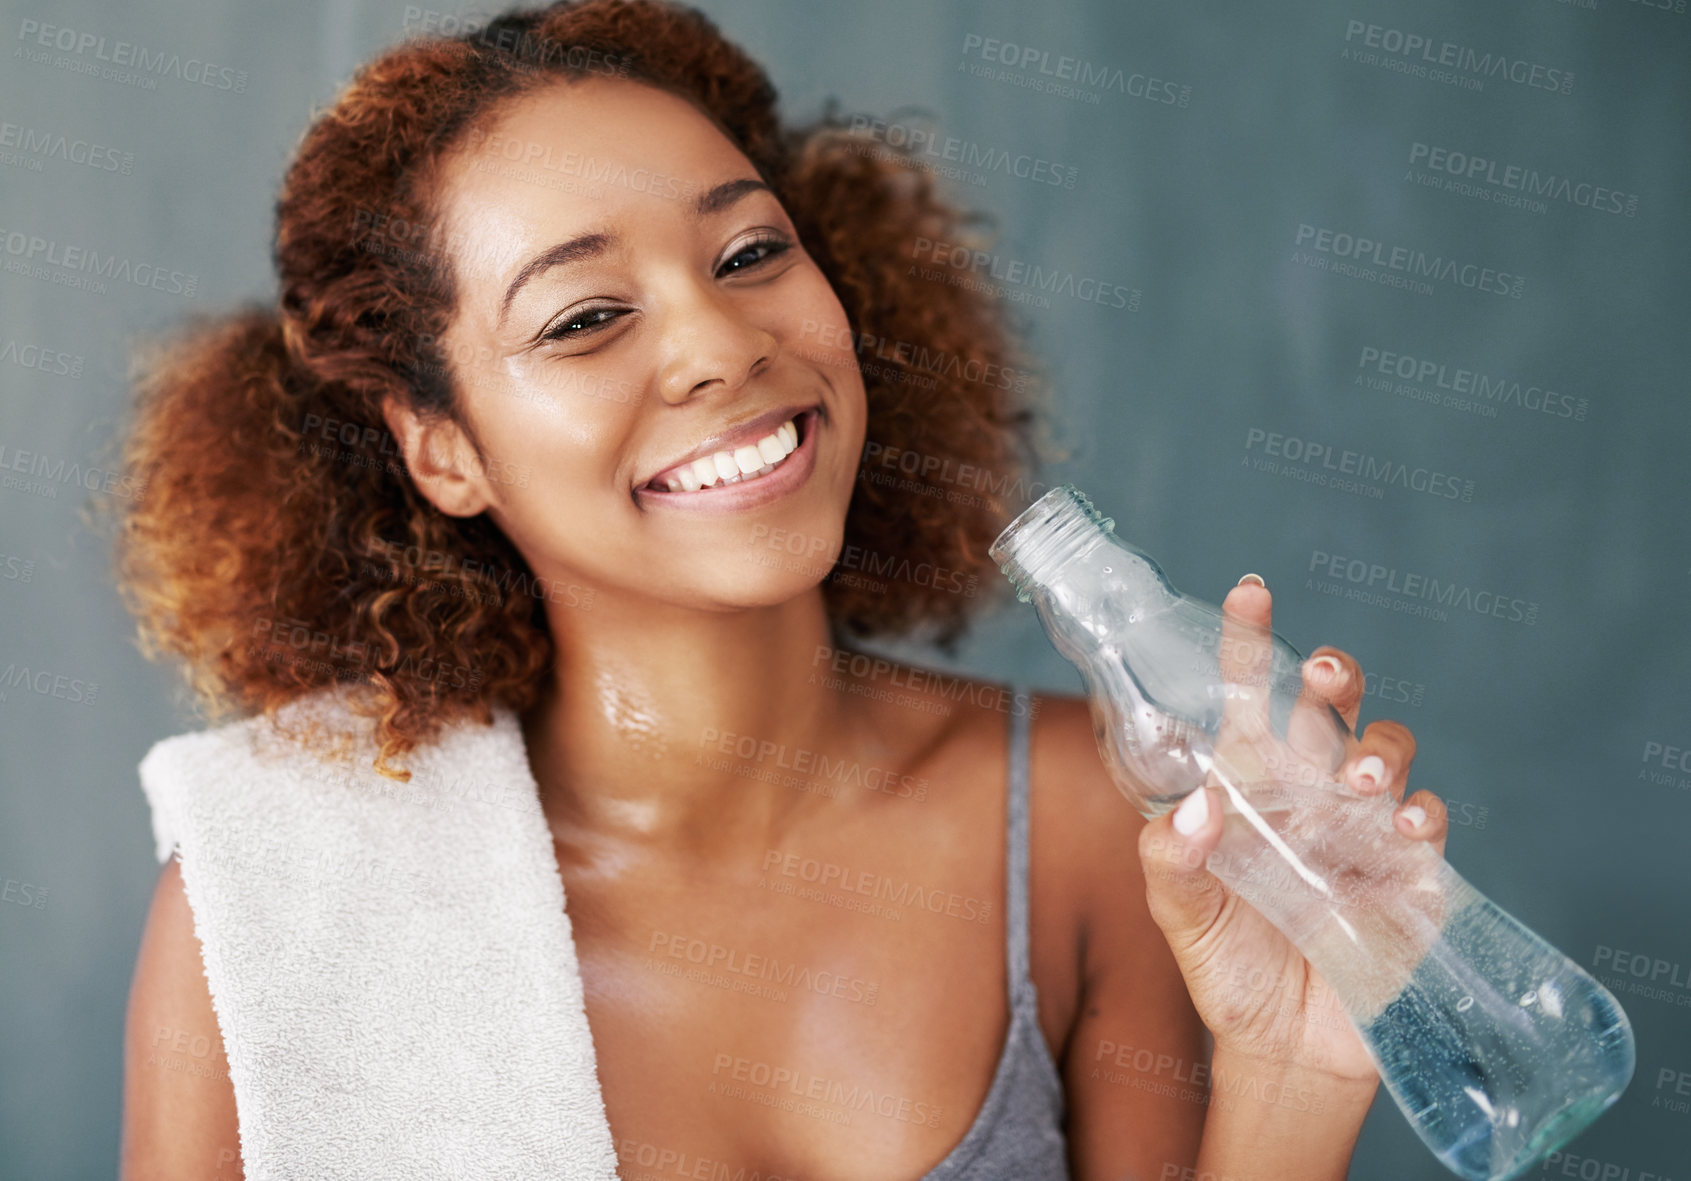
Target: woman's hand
point(1260, 998)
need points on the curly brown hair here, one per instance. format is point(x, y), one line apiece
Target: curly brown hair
point(274, 566)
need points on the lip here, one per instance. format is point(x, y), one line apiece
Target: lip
point(747, 432)
point(725, 498)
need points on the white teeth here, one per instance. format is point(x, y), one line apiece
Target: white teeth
point(748, 459)
point(743, 463)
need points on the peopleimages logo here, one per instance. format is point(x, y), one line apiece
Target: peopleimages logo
point(906, 354)
point(1407, 262)
point(42, 360)
point(1671, 759)
point(44, 683)
point(1467, 388)
point(1327, 465)
point(70, 263)
point(926, 144)
point(44, 474)
point(1511, 184)
point(53, 145)
point(1054, 71)
point(129, 55)
point(1433, 58)
point(1370, 583)
point(1036, 283)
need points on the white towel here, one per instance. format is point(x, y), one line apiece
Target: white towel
point(393, 972)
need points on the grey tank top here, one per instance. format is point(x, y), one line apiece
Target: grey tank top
point(1018, 1135)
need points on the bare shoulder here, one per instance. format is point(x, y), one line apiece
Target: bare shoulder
point(1087, 910)
point(1087, 892)
point(179, 1116)
point(1078, 816)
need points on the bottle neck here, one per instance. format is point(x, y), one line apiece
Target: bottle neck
point(1059, 528)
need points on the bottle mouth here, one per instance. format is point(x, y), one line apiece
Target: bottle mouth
point(1048, 535)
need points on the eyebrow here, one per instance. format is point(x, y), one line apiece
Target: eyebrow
point(728, 192)
point(585, 246)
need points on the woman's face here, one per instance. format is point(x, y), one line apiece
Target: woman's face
point(637, 326)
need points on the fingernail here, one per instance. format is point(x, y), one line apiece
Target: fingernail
point(1415, 814)
point(1256, 578)
point(1327, 667)
point(1193, 811)
point(1370, 772)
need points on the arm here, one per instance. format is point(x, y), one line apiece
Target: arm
point(1133, 1058)
point(1275, 1122)
point(1168, 950)
point(1291, 1079)
point(1146, 1100)
point(179, 1116)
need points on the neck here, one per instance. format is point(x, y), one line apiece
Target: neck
point(640, 731)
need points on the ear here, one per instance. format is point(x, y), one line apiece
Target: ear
point(441, 460)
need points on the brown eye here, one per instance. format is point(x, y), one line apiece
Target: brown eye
point(580, 323)
point(753, 253)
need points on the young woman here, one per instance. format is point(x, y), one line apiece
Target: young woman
point(561, 411)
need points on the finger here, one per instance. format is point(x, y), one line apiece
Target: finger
point(1345, 693)
point(1381, 759)
point(1423, 817)
point(1332, 681)
point(1184, 898)
point(1246, 655)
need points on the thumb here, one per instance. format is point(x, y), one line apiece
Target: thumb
point(1184, 898)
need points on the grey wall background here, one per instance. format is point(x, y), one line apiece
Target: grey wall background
point(1548, 736)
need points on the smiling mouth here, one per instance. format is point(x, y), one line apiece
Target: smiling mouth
point(740, 465)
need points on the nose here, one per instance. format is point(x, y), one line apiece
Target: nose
point(708, 339)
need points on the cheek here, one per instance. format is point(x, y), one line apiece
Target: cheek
point(812, 319)
point(563, 421)
point(577, 388)
point(552, 473)
point(833, 350)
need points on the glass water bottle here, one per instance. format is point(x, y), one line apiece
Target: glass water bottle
point(1498, 1048)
